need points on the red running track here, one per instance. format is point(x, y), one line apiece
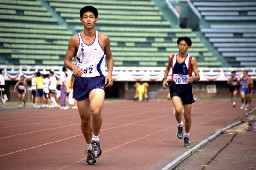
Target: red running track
point(133, 136)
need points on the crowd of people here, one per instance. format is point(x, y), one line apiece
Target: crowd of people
point(48, 90)
point(245, 83)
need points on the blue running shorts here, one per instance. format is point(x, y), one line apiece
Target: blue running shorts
point(245, 90)
point(83, 86)
point(40, 92)
point(184, 91)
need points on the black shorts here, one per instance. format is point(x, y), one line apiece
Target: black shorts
point(34, 92)
point(184, 91)
point(232, 89)
point(21, 91)
point(2, 86)
point(52, 91)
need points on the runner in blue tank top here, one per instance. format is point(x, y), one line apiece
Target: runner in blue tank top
point(180, 86)
point(245, 83)
point(90, 48)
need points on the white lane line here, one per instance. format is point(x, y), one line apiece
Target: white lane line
point(57, 141)
point(128, 115)
point(37, 131)
point(119, 146)
point(34, 147)
point(38, 123)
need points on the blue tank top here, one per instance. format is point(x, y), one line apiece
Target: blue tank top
point(181, 71)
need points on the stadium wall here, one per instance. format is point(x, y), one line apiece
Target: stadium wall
point(125, 77)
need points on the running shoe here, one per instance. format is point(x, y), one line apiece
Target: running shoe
point(242, 106)
point(186, 142)
point(180, 132)
point(234, 104)
point(96, 151)
point(90, 158)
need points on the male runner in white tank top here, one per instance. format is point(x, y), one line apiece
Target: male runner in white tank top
point(90, 48)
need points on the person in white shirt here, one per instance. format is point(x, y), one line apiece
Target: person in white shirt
point(2, 86)
point(46, 90)
point(52, 89)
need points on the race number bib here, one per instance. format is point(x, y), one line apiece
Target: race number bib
point(86, 69)
point(21, 87)
point(180, 78)
point(233, 83)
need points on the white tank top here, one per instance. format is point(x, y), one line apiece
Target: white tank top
point(90, 58)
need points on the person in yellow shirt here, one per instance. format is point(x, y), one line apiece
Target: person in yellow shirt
point(136, 85)
point(68, 91)
point(141, 92)
point(39, 81)
point(145, 95)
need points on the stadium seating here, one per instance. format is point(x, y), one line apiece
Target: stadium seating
point(231, 30)
point(37, 32)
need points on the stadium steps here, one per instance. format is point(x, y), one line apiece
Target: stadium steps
point(232, 30)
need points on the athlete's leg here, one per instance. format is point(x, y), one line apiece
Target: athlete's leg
point(234, 95)
point(242, 97)
point(19, 99)
point(177, 103)
point(85, 115)
point(187, 116)
point(24, 98)
point(96, 98)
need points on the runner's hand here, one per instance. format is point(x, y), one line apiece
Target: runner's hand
point(77, 71)
point(165, 83)
point(190, 80)
point(108, 81)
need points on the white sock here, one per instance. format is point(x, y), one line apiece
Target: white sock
point(180, 124)
point(89, 146)
point(53, 100)
point(95, 138)
point(186, 134)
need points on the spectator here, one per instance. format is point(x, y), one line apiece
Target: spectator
point(33, 85)
point(63, 88)
point(39, 89)
point(52, 89)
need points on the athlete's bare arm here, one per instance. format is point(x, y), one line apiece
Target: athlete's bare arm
point(72, 48)
point(195, 70)
point(167, 70)
point(109, 59)
point(15, 86)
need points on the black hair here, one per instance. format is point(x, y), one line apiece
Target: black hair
point(233, 72)
point(51, 72)
point(89, 8)
point(38, 74)
point(0, 71)
point(64, 68)
point(188, 40)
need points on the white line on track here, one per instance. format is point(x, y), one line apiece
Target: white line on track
point(119, 146)
point(127, 115)
point(37, 131)
point(57, 141)
point(34, 147)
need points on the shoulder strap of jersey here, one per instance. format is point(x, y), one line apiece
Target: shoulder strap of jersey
point(190, 66)
point(173, 56)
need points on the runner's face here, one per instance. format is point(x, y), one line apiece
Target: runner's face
point(233, 74)
point(183, 46)
point(89, 20)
